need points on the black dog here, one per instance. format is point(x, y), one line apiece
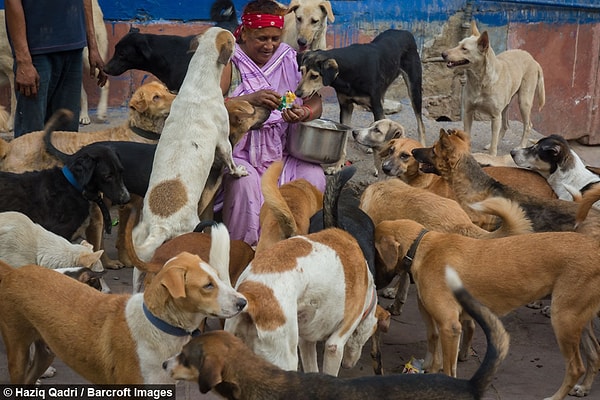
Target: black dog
point(165, 56)
point(362, 73)
point(223, 13)
point(58, 198)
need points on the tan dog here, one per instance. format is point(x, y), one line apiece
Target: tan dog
point(398, 161)
point(376, 135)
point(303, 290)
point(484, 266)
point(305, 25)
point(492, 82)
point(196, 128)
point(287, 209)
point(132, 335)
point(450, 158)
point(148, 109)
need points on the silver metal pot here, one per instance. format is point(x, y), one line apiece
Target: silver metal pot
point(319, 141)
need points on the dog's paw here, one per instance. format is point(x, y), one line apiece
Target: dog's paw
point(112, 264)
point(369, 150)
point(535, 305)
point(239, 171)
point(389, 293)
point(49, 373)
point(547, 311)
point(579, 391)
point(84, 119)
point(332, 170)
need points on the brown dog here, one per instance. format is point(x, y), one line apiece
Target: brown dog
point(483, 265)
point(287, 209)
point(148, 109)
point(450, 158)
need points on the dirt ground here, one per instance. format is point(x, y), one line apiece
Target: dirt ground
point(534, 367)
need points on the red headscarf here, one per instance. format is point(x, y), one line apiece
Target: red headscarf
point(259, 20)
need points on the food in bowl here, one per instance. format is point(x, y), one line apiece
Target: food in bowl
point(319, 141)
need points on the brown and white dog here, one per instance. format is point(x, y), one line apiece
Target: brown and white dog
point(376, 135)
point(221, 362)
point(305, 26)
point(493, 81)
point(148, 109)
point(553, 158)
point(132, 335)
point(534, 273)
point(303, 290)
point(287, 208)
point(196, 128)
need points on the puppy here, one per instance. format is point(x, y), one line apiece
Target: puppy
point(221, 362)
point(362, 73)
point(376, 136)
point(553, 158)
point(450, 158)
point(182, 161)
point(133, 335)
point(534, 273)
point(287, 210)
point(492, 82)
point(148, 109)
point(165, 56)
point(398, 161)
point(305, 25)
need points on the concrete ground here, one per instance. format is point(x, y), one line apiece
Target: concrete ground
point(533, 368)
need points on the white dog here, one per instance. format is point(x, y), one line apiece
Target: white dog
point(305, 25)
point(197, 125)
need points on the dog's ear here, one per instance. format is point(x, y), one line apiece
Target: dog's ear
point(83, 169)
point(551, 148)
point(474, 30)
point(387, 250)
point(210, 373)
point(294, 4)
point(173, 279)
point(396, 132)
point(89, 259)
point(329, 71)
point(225, 43)
point(326, 7)
point(483, 43)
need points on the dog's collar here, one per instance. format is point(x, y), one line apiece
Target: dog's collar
point(372, 304)
point(144, 133)
point(166, 327)
point(69, 176)
point(410, 255)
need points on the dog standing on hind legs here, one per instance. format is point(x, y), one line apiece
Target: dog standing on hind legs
point(493, 81)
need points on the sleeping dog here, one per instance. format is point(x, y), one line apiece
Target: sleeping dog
point(362, 73)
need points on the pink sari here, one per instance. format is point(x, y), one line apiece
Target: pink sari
point(259, 148)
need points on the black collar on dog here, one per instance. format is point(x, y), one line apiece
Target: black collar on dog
point(95, 198)
point(410, 255)
point(167, 327)
point(144, 133)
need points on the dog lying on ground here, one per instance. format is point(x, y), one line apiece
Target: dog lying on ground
point(492, 82)
point(534, 274)
point(221, 362)
point(305, 26)
point(59, 198)
point(165, 56)
point(450, 158)
point(182, 160)
point(376, 136)
point(362, 73)
point(553, 158)
point(287, 209)
point(133, 335)
point(398, 161)
point(148, 108)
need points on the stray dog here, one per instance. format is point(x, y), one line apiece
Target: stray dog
point(451, 158)
point(221, 362)
point(287, 210)
point(398, 161)
point(148, 109)
point(196, 126)
point(59, 198)
point(224, 14)
point(305, 26)
point(362, 73)
point(376, 136)
point(553, 158)
point(165, 56)
point(534, 273)
point(492, 82)
point(133, 335)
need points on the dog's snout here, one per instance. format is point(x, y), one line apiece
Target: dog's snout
point(241, 303)
point(444, 55)
point(165, 364)
point(354, 134)
point(302, 42)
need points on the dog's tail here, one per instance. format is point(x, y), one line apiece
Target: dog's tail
point(541, 90)
point(588, 199)
point(132, 220)
point(58, 119)
point(514, 219)
point(218, 257)
point(497, 337)
point(275, 201)
point(331, 197)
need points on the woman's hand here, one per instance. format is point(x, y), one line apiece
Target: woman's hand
point(266, 98)
point(295, 114)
